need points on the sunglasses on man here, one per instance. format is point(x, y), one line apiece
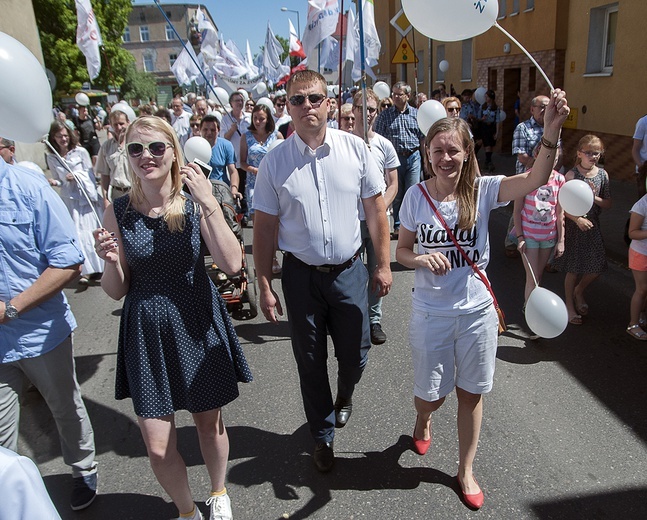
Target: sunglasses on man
point(315, 99)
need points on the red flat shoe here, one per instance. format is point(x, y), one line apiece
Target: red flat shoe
point(420, 446)
point(475, 501)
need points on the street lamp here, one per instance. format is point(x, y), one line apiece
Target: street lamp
point(285, 9)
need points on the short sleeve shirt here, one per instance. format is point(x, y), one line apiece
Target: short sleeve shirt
point(222, 155)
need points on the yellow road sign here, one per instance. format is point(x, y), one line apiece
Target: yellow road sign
point(404, 53)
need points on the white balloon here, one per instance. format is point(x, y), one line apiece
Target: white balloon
point(244, 93)
point(382, 89)
point(479, 95)
point(265, 101)
point(444, 66)
point(428, 113)
point(197, 148)
point(82, 99)
point(221, 96)
point(24, 78)
point(124, 107)
point(502, 115)
point(576, 197)
point(260, 88)
point(546, 313)
point(450, 20)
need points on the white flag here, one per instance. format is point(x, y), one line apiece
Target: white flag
point(323, 16)
point(88, 37)
point(371, 39)
point(352, 39)
point(273, 69)
point(184, 69)
point(249, 61)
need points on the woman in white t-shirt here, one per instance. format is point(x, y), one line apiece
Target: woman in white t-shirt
point(453, 329)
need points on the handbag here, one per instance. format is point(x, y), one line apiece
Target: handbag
point(499, 311)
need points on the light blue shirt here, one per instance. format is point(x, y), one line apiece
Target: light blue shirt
point(36, 232)
point(222, 154)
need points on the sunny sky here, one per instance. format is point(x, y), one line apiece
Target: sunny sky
point(239, 20)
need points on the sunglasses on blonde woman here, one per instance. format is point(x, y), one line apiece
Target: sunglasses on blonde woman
point(156, 148)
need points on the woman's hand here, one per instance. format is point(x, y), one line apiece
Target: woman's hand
point(521, 244)
point(557, 112)
point(106, 246)
point(198, 184)
point(584, 223)
point(70, 177)
point(437, 263)
point(559, 249)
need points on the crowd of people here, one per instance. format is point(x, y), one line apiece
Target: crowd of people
point(318, 182)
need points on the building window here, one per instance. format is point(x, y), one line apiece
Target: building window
point(602, 39)
point(530, 5)
point(144, 35)
point(149, 63)
point(440, 56)
point(466, 65)
point(171, 59)
point(126, 36)
point(502, 9)
point(170, 35)
point(515, 7)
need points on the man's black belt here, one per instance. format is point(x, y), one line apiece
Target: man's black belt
point(408, 153)
point(326, 268)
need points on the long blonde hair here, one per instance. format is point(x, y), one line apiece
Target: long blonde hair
point(465, 189)
point(174, 211)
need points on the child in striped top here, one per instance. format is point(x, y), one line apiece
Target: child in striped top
point(539, 226)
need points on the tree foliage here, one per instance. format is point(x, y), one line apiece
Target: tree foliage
point(57, 22)
point(138, 85)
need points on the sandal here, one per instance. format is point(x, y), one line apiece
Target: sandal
point(635, 331)
point(643, 320)
point(575, 320)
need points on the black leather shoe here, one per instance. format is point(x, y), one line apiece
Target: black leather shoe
point(324, 456)
point(377, 334)
point(343, 411)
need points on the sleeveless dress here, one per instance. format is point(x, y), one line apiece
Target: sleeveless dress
point(255, 153)
point(177, 346)
point(584, 251)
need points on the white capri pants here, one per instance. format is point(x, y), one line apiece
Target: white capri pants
point(453, 351)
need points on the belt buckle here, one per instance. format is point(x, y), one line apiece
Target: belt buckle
point(323, 269)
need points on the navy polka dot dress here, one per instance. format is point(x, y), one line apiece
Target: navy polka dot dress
point(177, 346)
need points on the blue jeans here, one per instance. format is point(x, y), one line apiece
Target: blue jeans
point(408, 175)
point(318, 303)
point(368, 252)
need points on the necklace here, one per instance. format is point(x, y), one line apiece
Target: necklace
point(439, 196)
point(157, 213)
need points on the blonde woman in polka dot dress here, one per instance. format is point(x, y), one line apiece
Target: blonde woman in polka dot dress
point(177, 347)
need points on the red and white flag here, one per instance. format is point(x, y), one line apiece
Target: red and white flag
point(88, 37)
point(296, 49)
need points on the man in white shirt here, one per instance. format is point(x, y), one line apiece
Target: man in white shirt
point(180, 120)
point(387, 159)
point(310, 188)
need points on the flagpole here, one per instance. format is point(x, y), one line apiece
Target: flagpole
point(341, 50)
point(213, 90)
point(360, 9)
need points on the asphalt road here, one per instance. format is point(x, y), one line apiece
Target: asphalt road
point(564, 433)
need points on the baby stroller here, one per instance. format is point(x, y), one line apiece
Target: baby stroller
point(238, 291)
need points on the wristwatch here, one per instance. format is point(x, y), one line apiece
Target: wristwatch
point(10, 312)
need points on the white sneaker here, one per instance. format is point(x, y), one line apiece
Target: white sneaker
point(197, 515)
point(219, 507)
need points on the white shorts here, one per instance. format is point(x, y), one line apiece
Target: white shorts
point(453, 351)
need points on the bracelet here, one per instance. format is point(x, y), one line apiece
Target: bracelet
point(210, 213)
point(547, 144)
point(519, 236)
point(234, 186)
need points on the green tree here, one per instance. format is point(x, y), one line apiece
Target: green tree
point(57, 22)
point(138, 85)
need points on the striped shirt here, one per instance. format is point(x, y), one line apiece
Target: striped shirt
point(538, 214)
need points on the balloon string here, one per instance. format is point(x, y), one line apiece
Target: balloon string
point(79, 184)
point(526, 53)
point(530, 268)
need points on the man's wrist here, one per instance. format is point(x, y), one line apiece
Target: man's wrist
point(10, 312)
